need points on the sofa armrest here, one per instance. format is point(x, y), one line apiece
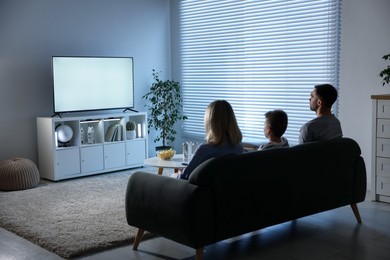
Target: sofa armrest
point(171, 207)
point(360, 181)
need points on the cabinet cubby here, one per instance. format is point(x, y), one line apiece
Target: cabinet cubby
point(98, 145)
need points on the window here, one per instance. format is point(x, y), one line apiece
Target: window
point(259, 56)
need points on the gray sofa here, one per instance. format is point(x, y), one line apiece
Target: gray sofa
point(236, 194)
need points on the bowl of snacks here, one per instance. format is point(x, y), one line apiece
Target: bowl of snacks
point(166, 154)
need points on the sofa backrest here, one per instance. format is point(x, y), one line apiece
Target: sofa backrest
point(273, 186)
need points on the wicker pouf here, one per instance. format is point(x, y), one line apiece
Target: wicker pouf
point(18, 174)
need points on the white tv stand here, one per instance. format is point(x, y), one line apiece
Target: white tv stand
point(80, 158)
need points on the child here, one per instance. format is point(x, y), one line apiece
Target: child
point(275, 125)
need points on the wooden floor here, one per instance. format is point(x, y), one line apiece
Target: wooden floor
point(332, 235)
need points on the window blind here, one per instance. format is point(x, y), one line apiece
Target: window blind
point(259, 56)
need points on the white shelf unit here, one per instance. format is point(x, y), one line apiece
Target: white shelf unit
point(78, 157)
point(381, 149)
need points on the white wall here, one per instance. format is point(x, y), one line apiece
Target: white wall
point(33, 31)
point(365, 38)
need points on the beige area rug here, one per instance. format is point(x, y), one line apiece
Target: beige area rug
point(73, 217)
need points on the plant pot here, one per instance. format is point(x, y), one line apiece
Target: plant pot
point(130, 134)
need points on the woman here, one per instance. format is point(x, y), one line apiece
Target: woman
point(223, 135)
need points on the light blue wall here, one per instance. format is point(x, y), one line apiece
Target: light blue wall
point(32, 31)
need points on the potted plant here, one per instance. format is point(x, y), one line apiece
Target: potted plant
point(130, 130)
point(385, 73)
point(164, 103)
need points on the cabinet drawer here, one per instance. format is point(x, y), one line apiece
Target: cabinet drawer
point(383, 186)
point(383, 128)
point(383, 166)
point(383, 108)
point(383, 147)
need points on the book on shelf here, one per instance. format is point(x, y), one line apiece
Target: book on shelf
point(113, 133)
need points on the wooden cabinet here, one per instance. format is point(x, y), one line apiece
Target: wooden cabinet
point(98, 144)
point(381, 148)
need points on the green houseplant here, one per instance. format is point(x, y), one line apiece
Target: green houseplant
point(385, 73)
point(165, 106)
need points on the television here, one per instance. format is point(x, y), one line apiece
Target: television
point(92, 83)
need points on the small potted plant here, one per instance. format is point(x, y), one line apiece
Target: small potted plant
point(164, 103)
point(130, 130)
point(385, 73)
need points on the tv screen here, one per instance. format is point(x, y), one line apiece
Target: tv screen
point(92, 83)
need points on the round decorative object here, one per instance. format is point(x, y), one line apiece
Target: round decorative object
point(18, 174)
point(64, 133)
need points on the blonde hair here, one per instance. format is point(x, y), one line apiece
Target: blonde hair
point(221, 124)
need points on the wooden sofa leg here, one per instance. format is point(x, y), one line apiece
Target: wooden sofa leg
point(138, 238)
point(199, 253)
point(356, 212)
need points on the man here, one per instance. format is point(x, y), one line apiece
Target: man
point(325, 126)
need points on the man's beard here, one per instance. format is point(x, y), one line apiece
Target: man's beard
point(313, 108)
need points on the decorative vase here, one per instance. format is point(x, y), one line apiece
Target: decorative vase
point(91, 135)
point(130, 134)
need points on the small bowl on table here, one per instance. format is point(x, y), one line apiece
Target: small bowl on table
point(166, 154)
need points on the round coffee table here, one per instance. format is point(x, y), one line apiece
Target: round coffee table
point(176, 162)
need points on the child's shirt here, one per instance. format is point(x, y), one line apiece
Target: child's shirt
point(271, 145)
